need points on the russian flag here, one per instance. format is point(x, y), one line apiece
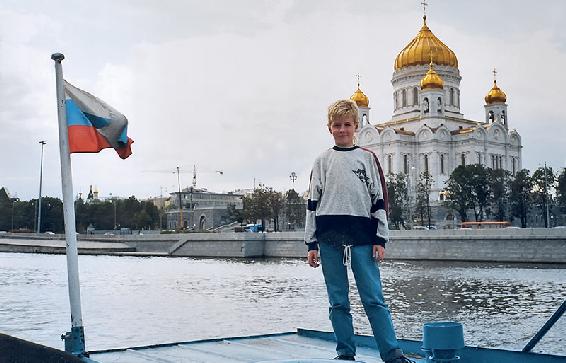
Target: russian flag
point(94, 125)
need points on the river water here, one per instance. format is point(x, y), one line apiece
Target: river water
point(132, 301)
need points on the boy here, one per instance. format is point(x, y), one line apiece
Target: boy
point(346, 219)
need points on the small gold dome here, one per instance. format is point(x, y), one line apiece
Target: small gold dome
point(431, 79)
point(419, 50)
point(360, 98)
point(495, 94)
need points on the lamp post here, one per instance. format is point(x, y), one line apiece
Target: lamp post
point(547, 212)
point(428, 187)
point(13, 202)
point(180, 200)
point(293, 177)
point(42, 142)
point(114, 204)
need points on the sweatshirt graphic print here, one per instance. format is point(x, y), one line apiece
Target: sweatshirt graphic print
point(345, 205)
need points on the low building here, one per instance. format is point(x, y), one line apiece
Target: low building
point(201, 209)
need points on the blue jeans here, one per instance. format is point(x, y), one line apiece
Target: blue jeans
point(368, 281)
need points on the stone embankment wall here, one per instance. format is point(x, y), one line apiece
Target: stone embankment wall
point(532, 245)
point(501, 245)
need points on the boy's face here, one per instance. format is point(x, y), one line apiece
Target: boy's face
point(343, 129)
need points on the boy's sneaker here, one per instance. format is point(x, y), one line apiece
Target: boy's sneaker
point(401, 359)
point(345, 357)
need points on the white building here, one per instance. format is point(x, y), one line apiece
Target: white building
point(427, 131)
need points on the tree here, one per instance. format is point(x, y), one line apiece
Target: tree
point(264, 203)
point(459, 192)
point(478, 180)
point(398, 199)
point(6, 205)
point(561, 191)
point(499, 186)
point(295, 208)
point(520, 196)
point(422, 205)
point(52, 215)
point(275, 205)
point(543, 180)
point(234, 215)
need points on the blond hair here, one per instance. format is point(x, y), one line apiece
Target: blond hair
point(343, 108)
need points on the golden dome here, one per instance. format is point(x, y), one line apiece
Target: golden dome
point(420, 49)
point(431, 79)
point(495, 94)
point(360, 98)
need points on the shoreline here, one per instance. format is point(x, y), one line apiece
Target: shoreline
point(547, 246)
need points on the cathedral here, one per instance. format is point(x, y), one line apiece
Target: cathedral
point(427, 131)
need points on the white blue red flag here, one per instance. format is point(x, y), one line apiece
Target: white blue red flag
point(94, 125)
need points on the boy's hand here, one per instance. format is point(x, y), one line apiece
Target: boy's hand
point(378, 253)
point(312, 259)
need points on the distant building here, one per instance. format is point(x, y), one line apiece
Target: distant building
point(201, 209)
point(427, 132)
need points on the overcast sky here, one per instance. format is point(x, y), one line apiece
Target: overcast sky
point(243, 86)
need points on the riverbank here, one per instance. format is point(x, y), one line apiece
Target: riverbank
point(532, 245)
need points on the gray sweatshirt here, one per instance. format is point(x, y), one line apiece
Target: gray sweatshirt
point(345, 205)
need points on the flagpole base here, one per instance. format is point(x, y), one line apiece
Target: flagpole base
point(75, 341)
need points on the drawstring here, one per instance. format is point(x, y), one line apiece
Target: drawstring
point(347, 259)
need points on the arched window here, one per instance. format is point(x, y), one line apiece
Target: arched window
point(514, 165)
point(442, 164)
point(364, 119)
point(406, 164)
point(426, 164)
point(452, 96)
point(503, 117)
point(404, 97)
point(415, 96)
point(463, 159)
point(439, 109)
point(490, 116)
point(425, 105)
point(389, 164)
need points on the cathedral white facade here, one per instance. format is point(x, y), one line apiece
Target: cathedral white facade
point(427, 131)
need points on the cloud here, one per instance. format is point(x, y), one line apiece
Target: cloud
point(243, 87)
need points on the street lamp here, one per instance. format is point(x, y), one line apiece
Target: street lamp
point(180, 200)
point(114, 204)
point(293, 177)
point(428, 187)
point(42, 142)
point(547, 212)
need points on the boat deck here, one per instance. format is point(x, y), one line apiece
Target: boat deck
point(304, 346)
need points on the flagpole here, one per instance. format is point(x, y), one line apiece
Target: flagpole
point(74, 340)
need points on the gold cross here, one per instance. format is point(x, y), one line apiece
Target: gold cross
point(494, 73)
point(358, 77)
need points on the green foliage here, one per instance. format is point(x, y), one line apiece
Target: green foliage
point(399, 208)
point(262, 204)
point(520, 196)
point(130, 213)
point(422, 205)
point(478, 175)
point(5, 210)
point(234, 215)
point(460, 192)
point(561, 191)
point(295, 208)
point(52, 215)
point(543, 183)
point(499, 185)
